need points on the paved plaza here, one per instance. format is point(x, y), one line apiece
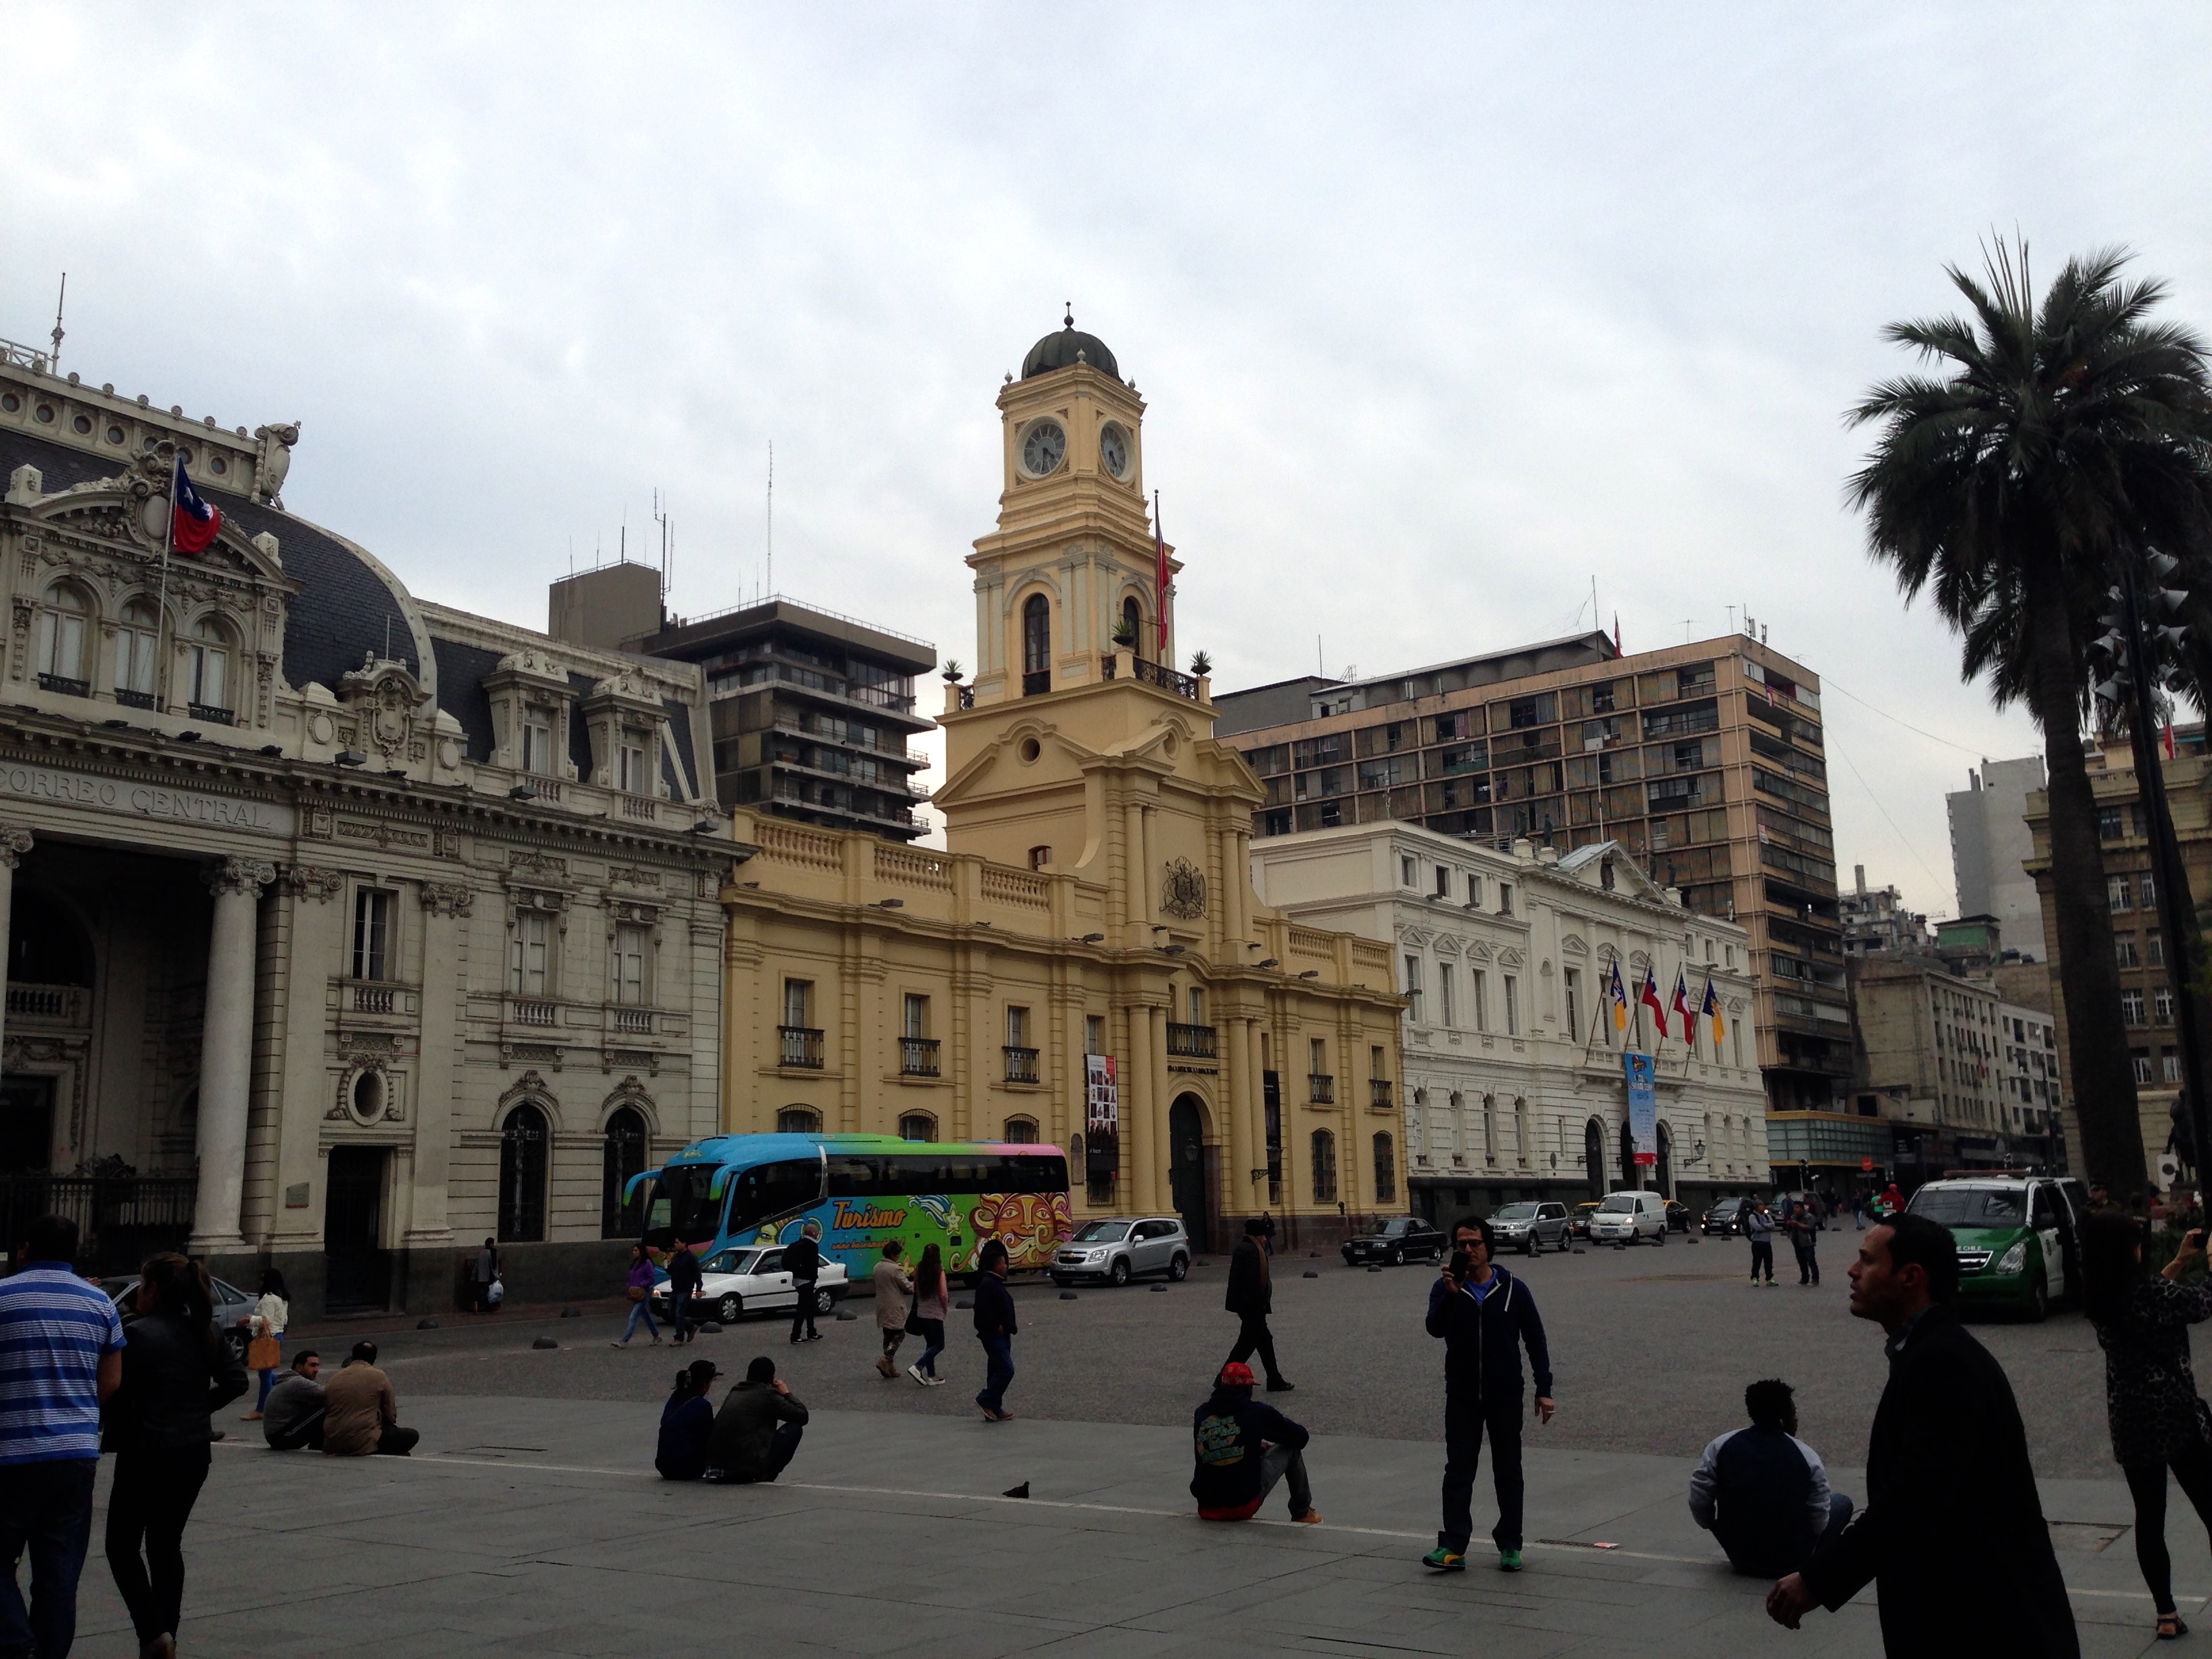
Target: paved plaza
point(531, 1522)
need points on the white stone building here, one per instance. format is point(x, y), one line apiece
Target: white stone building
point(1514, 1084)
point(347, 929)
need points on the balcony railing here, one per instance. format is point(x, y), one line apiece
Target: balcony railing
point(59, 1005)
point(210, 714)
point(917, 1056)
point(535, 1013)
point(1379, 1090)
point(1036, 683)
point(637, 806)
point(1154, 673)
point(1021, 1064)
point(1322, 1087)
point(64, 685)
point(376, 999)
point(800, 1046)
point(120, 1219)
point(134, 699)
point(1191, 1042)
point(636, 1022)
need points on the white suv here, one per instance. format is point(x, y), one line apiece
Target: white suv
point(1627, 1217)
point(1118, 1251)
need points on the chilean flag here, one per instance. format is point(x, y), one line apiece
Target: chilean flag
point(192, 520)
point(1648, 996)
point(1681, 1005)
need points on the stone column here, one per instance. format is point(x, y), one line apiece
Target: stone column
point(1155, 1190)
point(14, 843)
point(227, 1053)
point(1255, 1103)
point(1140, 1144)
point(1237, 1074)
point(438, 1067)
point(1136, 895)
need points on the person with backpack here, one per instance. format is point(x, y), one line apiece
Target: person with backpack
point(1243, 1449)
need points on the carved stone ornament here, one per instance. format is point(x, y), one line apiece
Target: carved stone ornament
point(247, 876)
point(1183, 894)
point(310, 881)
point(443, 898)
point(14, 843)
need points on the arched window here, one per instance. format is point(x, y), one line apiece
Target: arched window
point(522, 1157)
point(1665, 1172)
point(208, 670)
point(917, 1126)
point(1022, 1131)
point(1036, 645)
point(1524, 1153)
point(1593, 1157)
point(136, 639)
point(621, 1158)
point(798, 1121)
point(1324, 1167)
point(1386, 1170)
point(1490, 1129)
point(62, 640)
point(1133, 624)
point(1458, 1128)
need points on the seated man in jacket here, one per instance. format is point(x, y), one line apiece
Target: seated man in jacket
point(1763, 1493)
point(1243, 1449)
point(361, 1414)
point(758, 1429)
point(292, 1416)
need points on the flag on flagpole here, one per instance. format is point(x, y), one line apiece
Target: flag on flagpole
point(1710, 1007)
point(2166, 738)
point(1616, 633)
point(1681, 1005)
point(1648, 995)
point(192, 521)
point(1160, 548)
point(1617, 994)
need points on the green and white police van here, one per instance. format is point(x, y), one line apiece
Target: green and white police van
point(2018, 1237)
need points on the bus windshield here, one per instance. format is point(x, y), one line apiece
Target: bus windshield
point(693, 1215)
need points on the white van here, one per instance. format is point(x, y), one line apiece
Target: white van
point(1627, 1217)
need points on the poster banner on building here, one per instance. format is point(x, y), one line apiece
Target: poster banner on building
point(1643, 1107)
point(1101, 1116)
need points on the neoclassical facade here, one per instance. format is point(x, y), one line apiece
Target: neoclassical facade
point(344, 929)
point(1513, 1068)
point(1094, 899)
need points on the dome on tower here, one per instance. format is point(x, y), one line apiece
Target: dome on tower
point(1059, 351)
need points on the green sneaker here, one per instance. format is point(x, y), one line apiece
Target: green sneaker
point(1444, 1559)
point(1509, 1560)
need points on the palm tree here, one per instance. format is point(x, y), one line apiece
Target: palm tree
point(2060, 438)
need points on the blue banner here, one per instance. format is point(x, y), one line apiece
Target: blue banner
point(1643, 1107)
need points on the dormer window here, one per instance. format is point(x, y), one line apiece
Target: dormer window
point(61, 640)
point(630, 774)
point(537, 746)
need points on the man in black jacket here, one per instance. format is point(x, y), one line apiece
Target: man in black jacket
point(1953, 1536)
point(1484, 1315)
point(756, 1432)
point(802, 1260)
point(1252, 1298)
point(996, 1328)
point(684, 1279)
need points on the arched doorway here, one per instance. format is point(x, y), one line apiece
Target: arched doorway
point(522, 1161)
point(1593, 1157)
point(1627, 1158)
point(1666, 1168)
point(621, 1158)
point(1188, 1185)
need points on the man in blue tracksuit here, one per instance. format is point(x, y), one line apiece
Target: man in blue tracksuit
point(1484, 1315)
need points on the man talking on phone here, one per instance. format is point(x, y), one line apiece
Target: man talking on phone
point(1484, 1315)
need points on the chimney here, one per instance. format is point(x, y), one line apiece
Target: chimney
point(1858, 879)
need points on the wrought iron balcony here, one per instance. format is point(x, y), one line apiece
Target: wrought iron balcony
point(1191, 1042)
point(211, 714)
point(1153, 673)
point(918, 1057)
point(66, 686)
point(1021, 1064)
point(799, 1045)
point(1380, 1089)
point(1321, 1086)
point(1036, 685)
point(134, 699)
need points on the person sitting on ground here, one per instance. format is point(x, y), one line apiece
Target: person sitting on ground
point(1762, 1491)
point(361, 1414)
point(293, 1415)
point(758, 1431)
point(1242, 1448)
point(687, 1423)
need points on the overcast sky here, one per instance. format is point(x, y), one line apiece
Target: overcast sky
point(1440, 312)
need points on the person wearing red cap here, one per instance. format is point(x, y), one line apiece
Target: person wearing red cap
point(1242, 1448)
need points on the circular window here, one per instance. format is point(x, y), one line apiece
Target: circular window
point(218, 465)
point(184, 454)
point(83, 423)
point(367, 1101)
point(115, 434)
point(11, 402)
point(1169, 744)
point(1029, 750)
point(45, 412)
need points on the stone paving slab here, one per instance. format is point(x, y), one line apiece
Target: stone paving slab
point(537, 1526)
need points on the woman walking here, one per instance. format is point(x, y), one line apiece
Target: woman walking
point(177, 1372)
point(265, 1351)
point(893, 1290)
point(639, 1289)
point(2158, 1423)
point(930, 1305)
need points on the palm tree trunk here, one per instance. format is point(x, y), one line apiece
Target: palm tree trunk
point(2103, 1079)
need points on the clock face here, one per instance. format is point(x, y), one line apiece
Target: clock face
point(1043, 447)
point(1114, 450)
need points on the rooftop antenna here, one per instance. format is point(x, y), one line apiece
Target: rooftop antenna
point(660, 518)
point(58, 323)
point(769, 579)
point(622, 543)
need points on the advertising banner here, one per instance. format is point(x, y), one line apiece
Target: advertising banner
point(1643, 1107)
point(1101, 1116)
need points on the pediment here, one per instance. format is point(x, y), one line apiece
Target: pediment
point(1509, 958)
point(1416, 936)
point(127, 516)
point(1450, 945)
point(1477, 951)
point(1573, 945)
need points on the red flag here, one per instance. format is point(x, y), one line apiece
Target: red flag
point(1160, 547)
point(2166, 738)
point(192, 521)
point(1681, 1004)
point(1648, 996)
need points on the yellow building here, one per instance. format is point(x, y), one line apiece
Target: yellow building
point(1096, 899)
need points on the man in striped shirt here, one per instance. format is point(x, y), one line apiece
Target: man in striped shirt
point(61, 1354)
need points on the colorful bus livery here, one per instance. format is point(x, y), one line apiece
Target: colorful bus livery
point(864, 1190)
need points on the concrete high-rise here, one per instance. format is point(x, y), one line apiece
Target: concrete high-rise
point(1990, 846)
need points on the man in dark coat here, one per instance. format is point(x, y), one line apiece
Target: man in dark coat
point(802, 1260)
point(1953, 1536)
point(758, 1429)
point(1252, 1298)
point(684, 1278)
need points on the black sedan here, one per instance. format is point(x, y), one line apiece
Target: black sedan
point(1396, 1241)
point(1726, 1216)
point(1678, 1216)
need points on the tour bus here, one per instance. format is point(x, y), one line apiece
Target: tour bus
point(864, 1190)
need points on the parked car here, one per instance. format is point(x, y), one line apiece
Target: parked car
point(1624, 1218)
point(232, 1307)
point(1118, 1251)
point(1531, 1225)
point(2018, 1237)
point(1578, 1223)
point(750, 1279)
point(1726, 1216)
point(1678, 1216)
point(1396, 1241)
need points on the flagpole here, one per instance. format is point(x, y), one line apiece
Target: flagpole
point(161, 611)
